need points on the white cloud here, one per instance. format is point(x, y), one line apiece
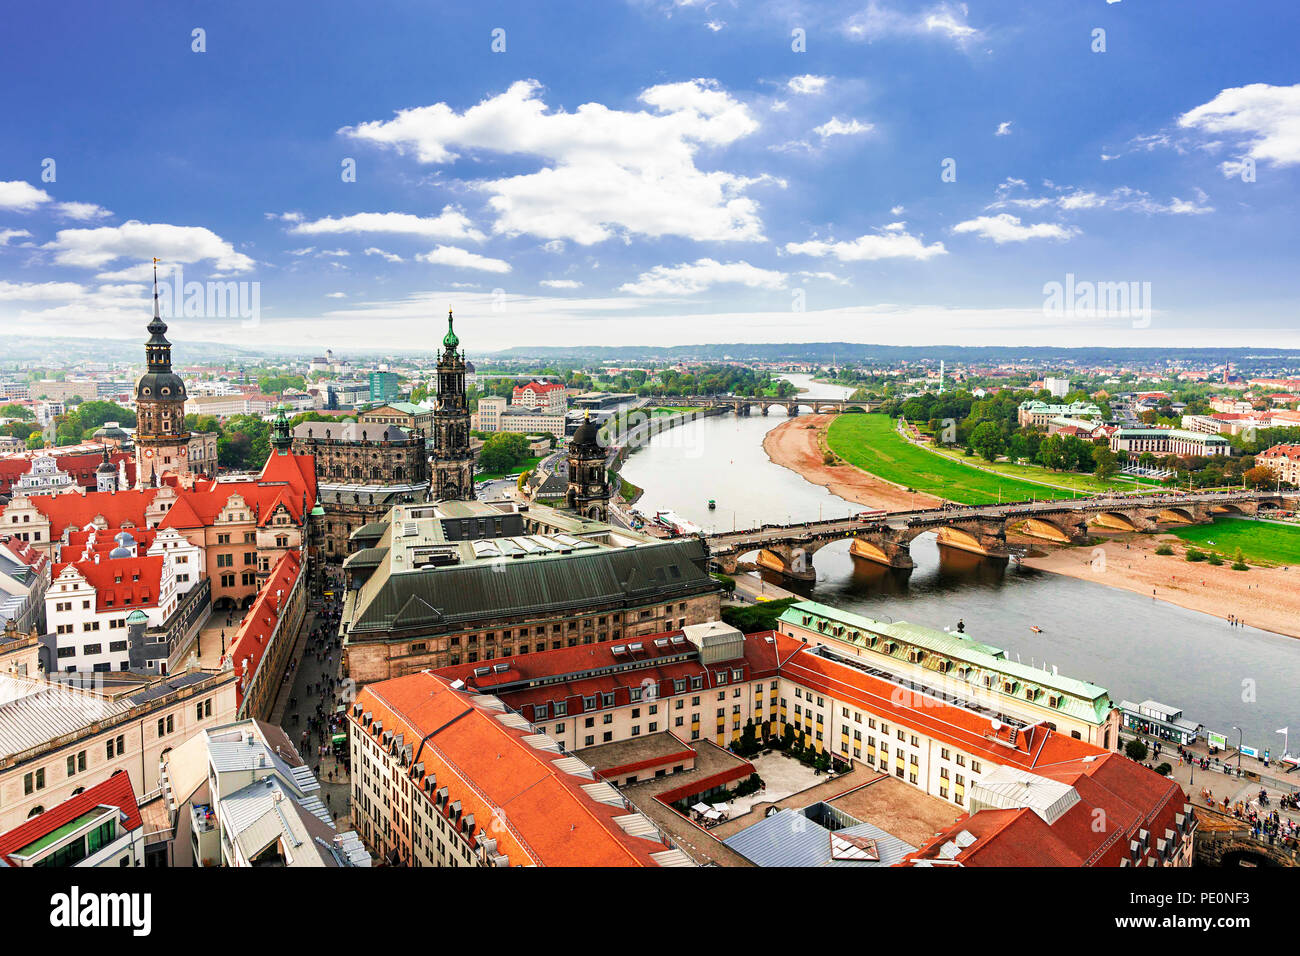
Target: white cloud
point(1008, 228)
point(807, 84)
point(387, 256)
point(18, 196)
point(39, 291)
point(7, 234)
point(893, 243)
point(333, 253)
point(1004, 129)
point(451, 223)
point(462, 259)
point(93, 248)
point(896, 210)
point(945, 20)
point(716, 25)
point(82, 211)
point(1266, 118)
point(561, 283)
point(603, 172)
point(691, 277)
point(555, 245)
point(1120, 199)
point(837, 127)
point(336, 295)
point(304, 251)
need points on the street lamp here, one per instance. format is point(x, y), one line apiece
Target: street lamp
point(1240, 738)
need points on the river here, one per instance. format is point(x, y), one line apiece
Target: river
point(1135, 647)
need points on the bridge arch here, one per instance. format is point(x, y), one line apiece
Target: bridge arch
point(1046, 528)
point(1176, 516)
point(1226, 509)
point(1115, 521)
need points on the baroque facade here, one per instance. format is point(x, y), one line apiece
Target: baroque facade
point(453, 459)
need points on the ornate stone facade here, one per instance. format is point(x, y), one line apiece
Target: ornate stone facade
point(162, 442)
point(453, 460)
point(588, 486)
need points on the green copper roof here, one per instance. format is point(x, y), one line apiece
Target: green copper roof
point(1080, 699)
point(450, 340)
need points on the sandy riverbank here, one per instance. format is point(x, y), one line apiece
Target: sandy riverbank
point(800, 448)
point(1267, 598)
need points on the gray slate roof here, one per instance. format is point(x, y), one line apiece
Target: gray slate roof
point(449, 596)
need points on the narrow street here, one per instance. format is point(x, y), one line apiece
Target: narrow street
point(308, 700)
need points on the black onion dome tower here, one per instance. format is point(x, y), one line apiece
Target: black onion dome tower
point(588, 487)
point(161, 438)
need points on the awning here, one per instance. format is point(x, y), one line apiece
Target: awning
point(701, 808)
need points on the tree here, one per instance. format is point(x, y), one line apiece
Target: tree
point(1135, 750)
point(16, 411)
point(35, 441)
point(1261, 476)
point(1104, 461)
point(503, 451)
point(987, 440)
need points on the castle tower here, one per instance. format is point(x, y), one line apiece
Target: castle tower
point(161, 439)
point(106, 475)
point(452, 465)
point(588, 491)
point(281, 437)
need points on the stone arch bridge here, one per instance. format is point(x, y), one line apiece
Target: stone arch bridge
point(742, 405)
point(982, 529)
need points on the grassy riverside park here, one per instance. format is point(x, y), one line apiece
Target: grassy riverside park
point(1261, 542)
point(870, 442)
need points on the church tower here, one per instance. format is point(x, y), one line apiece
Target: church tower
point(588, 491)
point(281, 436)
point(452, 466)
point(106, 474)
point(161, 439)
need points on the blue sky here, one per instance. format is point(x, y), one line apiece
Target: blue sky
point(655, 172)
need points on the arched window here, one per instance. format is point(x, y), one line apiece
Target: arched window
point(35, 812)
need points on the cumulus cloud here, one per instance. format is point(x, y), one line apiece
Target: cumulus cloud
point(94, 248)
point(18, 196)
point(1266, 119)
point(838, 127)
point(892, 242)
point(1004, 129)
point(451, 223)
point(602, 172)
point(561, 283)
point(7, 234)
point(807, 84)
point(1005, 227)
point(39, 291)
point(462, 259)
point(689, 278)
point(82, 211)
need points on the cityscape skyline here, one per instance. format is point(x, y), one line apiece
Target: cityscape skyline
point(698, 175)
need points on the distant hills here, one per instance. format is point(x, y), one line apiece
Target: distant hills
point(58, 351)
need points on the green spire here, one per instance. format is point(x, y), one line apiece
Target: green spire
point(450, 340)
point(280, 437)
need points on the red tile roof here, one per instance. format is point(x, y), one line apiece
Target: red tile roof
point(1117, 799)
point(537, 812)
point(259, 623)
point(116, 791)
point(120, 582)
point(77, 510)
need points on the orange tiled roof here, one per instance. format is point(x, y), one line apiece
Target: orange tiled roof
point(259, 623)
point(120, 582)
point(537, 813)
point(116, 791)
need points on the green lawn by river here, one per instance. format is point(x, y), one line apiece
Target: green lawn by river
point(871, 443)
point(1261, 542)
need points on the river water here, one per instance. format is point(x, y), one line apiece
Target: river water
point(1135, 647)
